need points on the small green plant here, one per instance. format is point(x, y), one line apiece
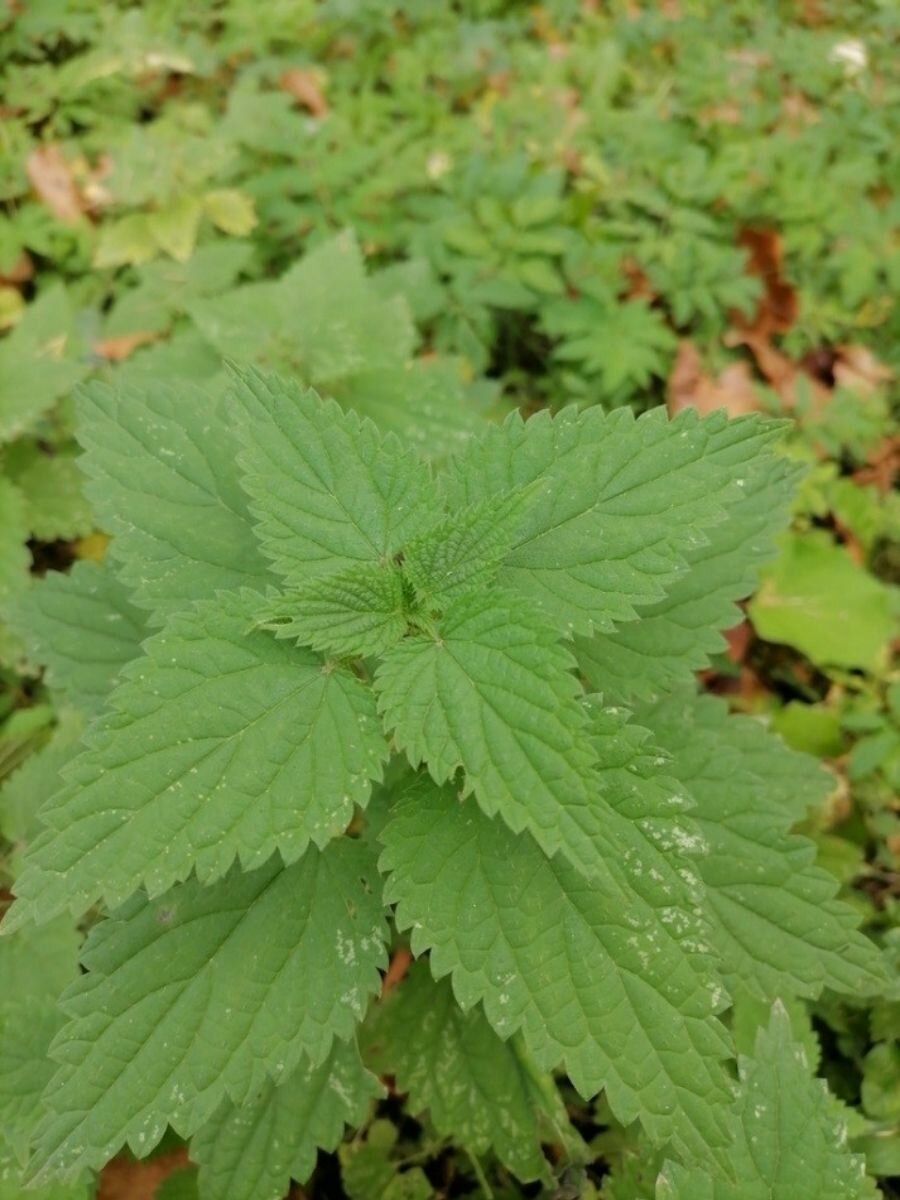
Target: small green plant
point(363, 713)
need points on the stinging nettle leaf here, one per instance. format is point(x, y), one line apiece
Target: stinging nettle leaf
point(160, 461)
point(773, 914)
point(327, 489)
point(675, 636)
point(587, 970)
point(491, 692)
point(221, 744)
point(206, 994)
point(356, 612)
point(83, 628)
point(483, 1092)
point(463, 552)
point(788, 1140)
point(26, 1030)
point(622, 501)
point(253, 1151)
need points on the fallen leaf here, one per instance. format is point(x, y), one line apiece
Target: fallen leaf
point(780, 372)
point(125, 1179)
point(690, 386)
point(777, 308)
point(21, 271)
point(798, 112)
point(857, 368)
point(51, 177)
point(117, 349)
point(727, 113)
point(738, 638)
point(306, 88)
point(94, 190)
point(399, 965)
point(882, 468)
point(639, 287)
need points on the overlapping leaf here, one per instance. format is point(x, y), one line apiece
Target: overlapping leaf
point(220, 743)
point(328, 491)
point(788, 1139)
point(676, 635)
point(83, 628)
point(463, 552)
point(491, 692)
point(207, 994)
point(251, 1152)
point(621, 503)
point(358, 611)
point(588, 971)
point(161, 464)
point(774, 919)
point(483, 1092)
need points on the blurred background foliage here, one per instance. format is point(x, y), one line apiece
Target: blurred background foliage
point(435, 211)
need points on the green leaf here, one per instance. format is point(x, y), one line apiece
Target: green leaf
point(595, 980)
point(83, 628)
point(15, 560)
point(881, 1082)
point(53, 489)
point(206, 994)
point(622, 345)
point(180, 1185)
point(25, 791)
point(26, 1030)
point(491, 692)
point(358, 611)
point(676, 636)
point(463, 553)
point(774, 919)
point(816, 598)
point(129, 240)
point(322, 321)
point(788, 1140)
point(479, 1090)
point(40, 361)
point(426, 403)
point(231, 211)
point(220, 744)
point(374, 1169)
point(622, 502)
point(161, 464)
point(327, 490)
point(252, 1152)
point(14, 1187)
point(36, 964)
point(174, 228)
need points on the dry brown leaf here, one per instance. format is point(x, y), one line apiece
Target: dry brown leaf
point(739, 639)
point(857, 368)
point(21, 271)
point(883, 466)
point(777, 308)
point(780, 372)
point(690, 386)
point(396, 972)
point(92, 184)
point(124, 1179)
point(306, 88)
point(798, 112)
point(639, 287)
point(51, 177)
point(116, 349)
point(727, 113)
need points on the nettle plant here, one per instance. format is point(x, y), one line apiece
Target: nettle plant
point(386, 700)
